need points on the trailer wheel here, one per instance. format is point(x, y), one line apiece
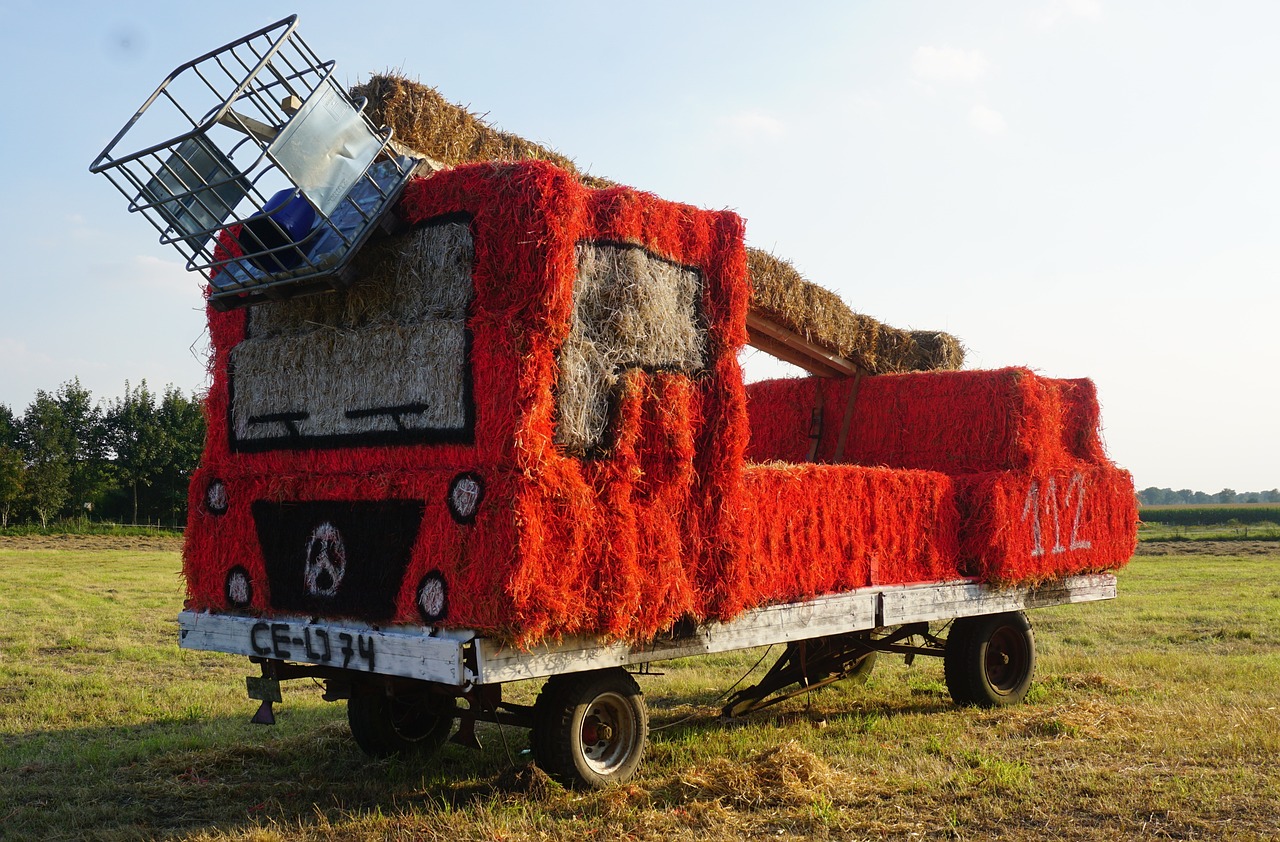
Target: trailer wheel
point(409, 726)
point(990, 659)
point(590, 728)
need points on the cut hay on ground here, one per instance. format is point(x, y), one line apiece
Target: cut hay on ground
point(786, 775)
point(424, 120)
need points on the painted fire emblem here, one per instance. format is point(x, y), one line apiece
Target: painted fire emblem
point(326, 561)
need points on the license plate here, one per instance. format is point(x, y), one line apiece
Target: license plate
point(312, 644)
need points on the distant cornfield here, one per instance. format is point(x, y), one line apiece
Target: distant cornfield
point(1221, 514)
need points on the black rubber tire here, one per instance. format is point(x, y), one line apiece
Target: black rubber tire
point(990, 660)
point(590, 729)
point(411, 726)
point(544, 712)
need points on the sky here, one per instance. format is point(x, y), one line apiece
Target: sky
point(1089, 188)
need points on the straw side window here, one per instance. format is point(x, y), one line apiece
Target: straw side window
point(631, 309)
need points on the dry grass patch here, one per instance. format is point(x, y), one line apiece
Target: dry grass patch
point(786, 775)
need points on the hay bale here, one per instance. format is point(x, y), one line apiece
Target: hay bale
point(1008, 419)
point(938, 351)
point(424, 120)
point(1029, 528)
point(819, 529)
point(304, 367)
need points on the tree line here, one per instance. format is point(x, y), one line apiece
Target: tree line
point(1186, 497)
point(127, 461)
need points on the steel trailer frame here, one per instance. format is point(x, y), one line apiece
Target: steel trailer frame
point(589, 725)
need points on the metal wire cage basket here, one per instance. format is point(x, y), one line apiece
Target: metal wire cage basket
point(259, 168)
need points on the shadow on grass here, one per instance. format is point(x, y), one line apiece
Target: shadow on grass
point(178, 777)
point(680, 717)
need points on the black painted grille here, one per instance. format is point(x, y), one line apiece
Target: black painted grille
point(337, 558)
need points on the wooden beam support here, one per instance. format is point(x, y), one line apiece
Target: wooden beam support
point(254, 128)
point(787, 345)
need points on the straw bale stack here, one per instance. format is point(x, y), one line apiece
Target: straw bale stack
point(422, 119)
point(356, 411)
point(1019, 461)
point(1008, 419)
point(303, 366)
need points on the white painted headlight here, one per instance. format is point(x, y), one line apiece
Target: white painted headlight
point(216, 499)
point(239, 588)
point(433, 597)
point(465, 493)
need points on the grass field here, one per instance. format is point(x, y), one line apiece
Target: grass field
point(1153, 716)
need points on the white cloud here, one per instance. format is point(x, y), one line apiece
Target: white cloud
point(1049, 15)
point(152, 267)
point(754, 124)
point(23, 370)
point(15, 355)
point(987, 120)
point(948, 64)
point(150, 275)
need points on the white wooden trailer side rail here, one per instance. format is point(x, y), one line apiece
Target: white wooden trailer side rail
point(825, 615)
point(459, 658)
point(925, 603)
point(860, 610)
point(407, 651)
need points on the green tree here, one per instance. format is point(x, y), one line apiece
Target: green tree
point(45, 440)
point(8, 427)
point(1226, 495)
point(182, 428)
point(136, 440)
point(155, 448)
point(11, 476)
point(11, 467)
point(86, 445)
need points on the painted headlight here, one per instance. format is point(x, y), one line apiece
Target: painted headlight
point(465, 493)
point(433, 597)
point(239, 588)
point(215, 498)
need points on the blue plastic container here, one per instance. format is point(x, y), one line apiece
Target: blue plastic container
point(286, 219)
